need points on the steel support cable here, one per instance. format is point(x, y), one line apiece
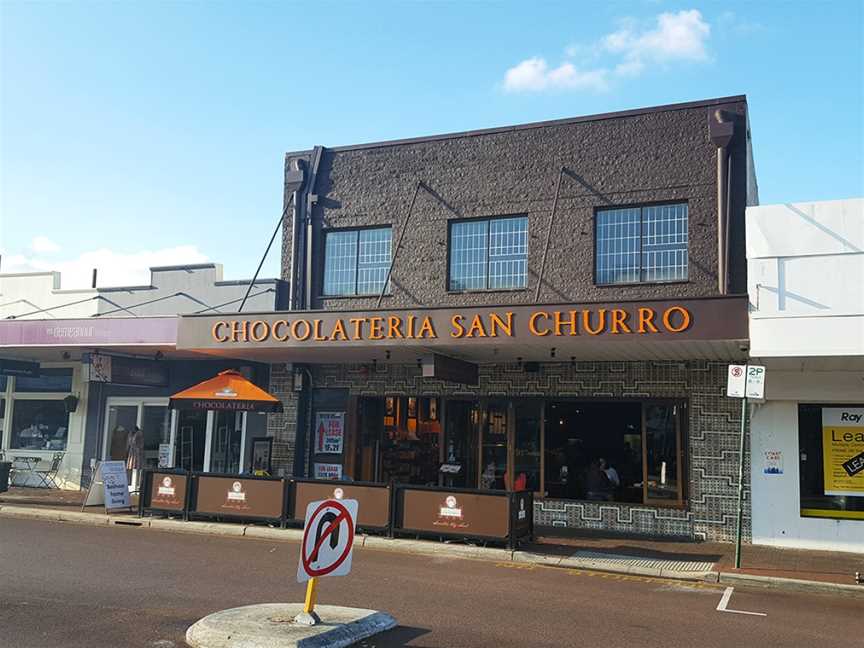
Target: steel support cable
point(399, 244)
point(548, 236)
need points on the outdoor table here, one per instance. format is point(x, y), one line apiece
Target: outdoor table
point(24, 465)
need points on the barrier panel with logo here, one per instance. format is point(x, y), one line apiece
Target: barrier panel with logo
point(164, 492)
point(374, 500)
point(492, 516)
point(238, 497)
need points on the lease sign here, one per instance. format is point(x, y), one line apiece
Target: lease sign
point(843, 450)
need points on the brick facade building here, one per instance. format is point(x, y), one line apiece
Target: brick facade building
point(581, 283)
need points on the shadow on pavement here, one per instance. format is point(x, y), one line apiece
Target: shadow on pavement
point(396, 638)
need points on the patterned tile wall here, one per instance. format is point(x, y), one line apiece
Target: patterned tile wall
point(712, 443)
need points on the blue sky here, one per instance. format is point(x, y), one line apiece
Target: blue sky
point(136, 134)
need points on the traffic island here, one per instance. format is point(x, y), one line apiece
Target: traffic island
point(273, 625)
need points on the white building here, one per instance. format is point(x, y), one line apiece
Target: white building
point(173, 290)
point(59, 330)
point(806, 287)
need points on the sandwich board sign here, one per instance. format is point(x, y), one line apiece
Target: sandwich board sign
point(328, 539)
point(109, 486)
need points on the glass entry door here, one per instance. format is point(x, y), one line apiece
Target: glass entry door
point(494, 447)
point(461, 421)
point(122, 419)
point(226, 446)
point(189, 446)
point(123, 414)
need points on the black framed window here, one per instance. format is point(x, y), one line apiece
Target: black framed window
point(489, 254)
point(647, 244)
point(356, 261)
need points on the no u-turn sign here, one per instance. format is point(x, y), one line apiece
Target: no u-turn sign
point(328, 539)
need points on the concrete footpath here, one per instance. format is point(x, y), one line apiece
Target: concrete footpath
point(684, 561)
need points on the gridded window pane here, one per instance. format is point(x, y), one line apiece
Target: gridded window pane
point(340, 263)
point(373, 259)
point(664, 243)
point(647, 244)
point(469, 242)
point(356, 261)
point(508, 253)
point(617, 252)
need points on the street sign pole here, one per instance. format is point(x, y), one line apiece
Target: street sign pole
point(744, 381)
point(740, 485)
point(311, 595)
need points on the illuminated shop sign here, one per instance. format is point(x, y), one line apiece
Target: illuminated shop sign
point(710, 318)
point(540, 323)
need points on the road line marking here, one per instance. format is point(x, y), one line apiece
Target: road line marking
point(724, 601)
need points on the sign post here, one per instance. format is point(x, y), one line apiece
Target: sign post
point(326, 550)
point(744, 381)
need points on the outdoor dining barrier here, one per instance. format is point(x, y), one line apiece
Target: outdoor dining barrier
point(468, 514)
point(375, 500)
point(239, 497)
point(428, 511)
point(165, 492)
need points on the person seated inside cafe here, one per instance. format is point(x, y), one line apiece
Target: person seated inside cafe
point(597, 482)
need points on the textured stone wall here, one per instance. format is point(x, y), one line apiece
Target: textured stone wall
point(643, 158)
point(712, 445)
point(283, 427)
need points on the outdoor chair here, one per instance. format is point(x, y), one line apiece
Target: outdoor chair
point(49, 477)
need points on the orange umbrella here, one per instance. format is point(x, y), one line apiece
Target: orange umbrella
point(229, 391)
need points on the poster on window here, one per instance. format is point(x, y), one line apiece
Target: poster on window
point(328, 471)
point(843, 450)
point(329, 432)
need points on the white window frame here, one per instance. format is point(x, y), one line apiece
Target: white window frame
point(10, 396)
point(140, 402)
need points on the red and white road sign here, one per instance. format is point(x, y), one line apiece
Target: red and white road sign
point(328, 539)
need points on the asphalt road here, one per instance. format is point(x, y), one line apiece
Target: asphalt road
point(79, 586)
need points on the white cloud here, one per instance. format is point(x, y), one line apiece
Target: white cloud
point(114, 268)
point(44, 245)
point(624, 53)
point(678, 36)
point(534, 74)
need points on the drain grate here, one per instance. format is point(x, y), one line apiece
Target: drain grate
point(603, 558)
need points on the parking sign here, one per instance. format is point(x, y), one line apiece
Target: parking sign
point(755, 382)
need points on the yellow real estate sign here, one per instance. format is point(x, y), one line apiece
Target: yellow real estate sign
point(843, 450)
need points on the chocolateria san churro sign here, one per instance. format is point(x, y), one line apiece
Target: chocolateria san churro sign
point(718, 318)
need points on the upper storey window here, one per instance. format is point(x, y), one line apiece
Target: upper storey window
point(489, 254)
point(356, 261)
point(641, 244)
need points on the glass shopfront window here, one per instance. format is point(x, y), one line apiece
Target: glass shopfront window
point(39, 425)
point(39, 420)
point(615, 451)
point(662, 452)
point(831, 461)
point(621, 451)
point(49, 380)
point(493, 455)
point(527, 447)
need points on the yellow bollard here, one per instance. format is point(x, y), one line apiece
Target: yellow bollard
point(311, 595)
